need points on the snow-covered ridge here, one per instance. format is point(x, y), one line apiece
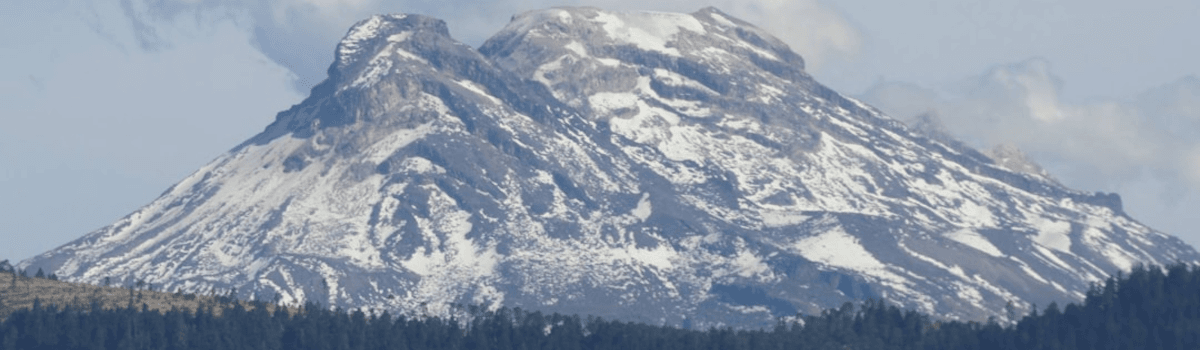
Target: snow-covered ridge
point(664, 168)
point(366, 38)
point(363, 32)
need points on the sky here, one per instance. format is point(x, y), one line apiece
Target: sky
point(104, 104)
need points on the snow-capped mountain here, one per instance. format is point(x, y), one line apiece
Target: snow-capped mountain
point(655, 167)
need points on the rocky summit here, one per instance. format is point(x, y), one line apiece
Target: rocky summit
point(678, 169)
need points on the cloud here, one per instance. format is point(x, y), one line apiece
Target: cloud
point(1146, 147)
point(817, 31)
point(1031, 82)
point(1194, 165)
point(145, 33)
point(300, 35)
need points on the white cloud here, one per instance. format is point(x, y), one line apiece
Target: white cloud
point(813, 29)
point(1019, 104)
point(300, 35)
point(1147, 148)
point(1033, 81)
point(1194, 167)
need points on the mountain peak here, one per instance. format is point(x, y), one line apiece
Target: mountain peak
point(591, 32)
point(650, 31)
point(380, 58)
point(363, 39)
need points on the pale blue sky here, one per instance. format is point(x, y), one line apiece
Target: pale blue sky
point(104, 104)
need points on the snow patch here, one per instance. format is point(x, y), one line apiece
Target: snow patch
point(837, 248)
point(1029, 271)
point(352, 43)
point(399, 37)
point(756, 309)
point(975, 240)
point(608, 102)
point(577, 48)
point(410, 56)
point(421, 165)
point(659, 257)
point(611, 62)
point(478, 90)
point(643, 209)
point(395, 141)
point(1099, 242)
point(1053, 234)
point(769, 94)
point(976, 215)
point(781, 218)
point(747, 264)
point(648, 30)
point(675, 79)
point(722, 20)
point(1050, 256)
point(458, 257)
point(379, 67)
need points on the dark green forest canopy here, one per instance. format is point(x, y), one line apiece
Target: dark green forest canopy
point(1150, 308)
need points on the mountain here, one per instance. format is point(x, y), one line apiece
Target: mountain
point(675, 169)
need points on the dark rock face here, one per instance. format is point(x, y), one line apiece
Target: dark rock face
point(664, 168)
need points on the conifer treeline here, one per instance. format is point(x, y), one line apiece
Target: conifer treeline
point(1148, 309)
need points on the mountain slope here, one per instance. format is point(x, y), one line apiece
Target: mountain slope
point(666, 168)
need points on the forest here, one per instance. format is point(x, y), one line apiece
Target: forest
point(1148, 308)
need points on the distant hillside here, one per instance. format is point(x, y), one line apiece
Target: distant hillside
point(19, 292)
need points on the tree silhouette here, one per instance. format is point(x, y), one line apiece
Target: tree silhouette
point(1150, 308)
